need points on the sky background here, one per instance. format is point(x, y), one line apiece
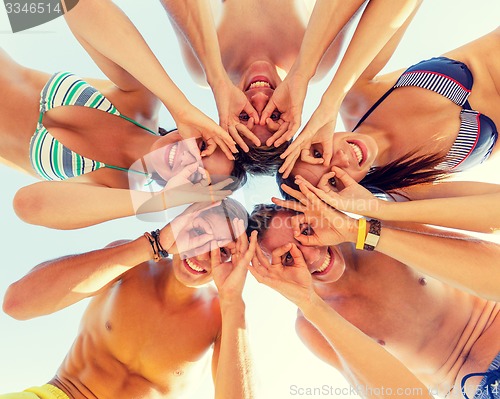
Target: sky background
point(31, 351)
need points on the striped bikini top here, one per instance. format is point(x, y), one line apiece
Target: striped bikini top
point(452, 79)
point(51, 159)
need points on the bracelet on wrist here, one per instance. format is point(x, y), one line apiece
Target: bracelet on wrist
point(154, 240)
point(368, 240)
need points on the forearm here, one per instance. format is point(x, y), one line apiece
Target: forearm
point(120, 37)
point(380, 21)
point(194, 20)
point(389, 378)
point(58, 283)
point(327, 20)
point(468, 264)
point(473, 213)
point(234, 374)
point(66, 205)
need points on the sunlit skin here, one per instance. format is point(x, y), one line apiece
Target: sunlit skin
point(281, 233)
point(408, 313)
point(186, 152)
point(343, 157)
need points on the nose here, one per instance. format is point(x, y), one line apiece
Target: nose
point(311, 254)
point(259, 101)
point(340, 159)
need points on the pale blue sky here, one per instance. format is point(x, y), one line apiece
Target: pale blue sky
point(31, 351)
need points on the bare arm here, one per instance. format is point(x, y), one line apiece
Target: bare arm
point(231, 365)
point(70, 205)
point(84, 275)
point(346, 347)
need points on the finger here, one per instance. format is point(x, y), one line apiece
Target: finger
point(215, 259)
point(211, 147)
point(294, 193)
point(239, 140)
point(245, 131)
point(276, 138)
point(306, 156)
point(291, 130)
point(298, 258)
point(222, 145)
point(278, 253)
point(273, 125)
point(289, 163)
point(294, 147)
point(251, 111)
point(296, 222)
point(344, 177)
point(324, 182)
point(267, 111)
point(261, 257)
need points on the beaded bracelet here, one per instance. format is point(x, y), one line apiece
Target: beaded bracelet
point(154, 240)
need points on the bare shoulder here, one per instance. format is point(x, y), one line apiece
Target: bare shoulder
point(479, 49)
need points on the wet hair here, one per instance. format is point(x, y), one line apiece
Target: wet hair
point(238, 172)
point(406, 171)
point(264, 160)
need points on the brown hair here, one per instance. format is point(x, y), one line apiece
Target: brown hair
point(264, 160)
point(405, 171)
point(261, 218)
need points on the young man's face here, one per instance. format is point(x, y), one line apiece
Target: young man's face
point(326, 264)
point(193, 266)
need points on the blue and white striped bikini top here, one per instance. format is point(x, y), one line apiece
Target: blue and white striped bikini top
point(51, 159)
point(452, 79)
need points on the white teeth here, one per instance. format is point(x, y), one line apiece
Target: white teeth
point(325, 264)
point(358, 152)
point(194, 267)
point(259, 83)
point(171, 155)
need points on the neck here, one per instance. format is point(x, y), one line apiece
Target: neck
point(174, 292)
point(385, 143)
point(136, 145)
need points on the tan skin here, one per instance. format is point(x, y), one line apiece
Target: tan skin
point(79, 127)
point(251, 52)
point(136, 340)
point(400, 115)
point(438, 332)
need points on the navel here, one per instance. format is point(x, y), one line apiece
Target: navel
point(108, 326)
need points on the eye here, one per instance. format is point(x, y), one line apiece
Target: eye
point(332, 182)
point(317, 154)
point(244, 117)
point(306, 230)
point(275, 116)
point(287, 259)
point(225, 254)
point(202, 145)
point(198, 231)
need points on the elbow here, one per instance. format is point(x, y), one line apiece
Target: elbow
point(14, 306)
point(28, 205)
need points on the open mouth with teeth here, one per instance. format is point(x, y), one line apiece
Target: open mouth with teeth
point(358, 151)
point(326, 266)
point(258, 82)
point(170, 155)
point(193, 267)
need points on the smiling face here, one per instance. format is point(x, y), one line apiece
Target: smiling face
point(326, 264)
point(353, 152)
point(258, 83)
point(171, 153)
point(193, 265)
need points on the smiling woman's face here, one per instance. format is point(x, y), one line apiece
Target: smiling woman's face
point(353, 152)
point(171, 153)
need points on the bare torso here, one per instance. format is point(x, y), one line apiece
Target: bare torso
point(269, 30)
point(438, 332)
point(429, 119)
point(79, 128)
point(134, 341)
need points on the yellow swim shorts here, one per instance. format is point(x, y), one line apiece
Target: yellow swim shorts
point(46, 391)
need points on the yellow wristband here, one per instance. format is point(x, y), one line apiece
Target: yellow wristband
point(360, 243)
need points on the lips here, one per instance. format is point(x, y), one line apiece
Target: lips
point(327, 264)
point(193, 267)
point(358, 150)
point(259, 81)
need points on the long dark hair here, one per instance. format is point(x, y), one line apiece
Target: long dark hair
point(405, 171)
